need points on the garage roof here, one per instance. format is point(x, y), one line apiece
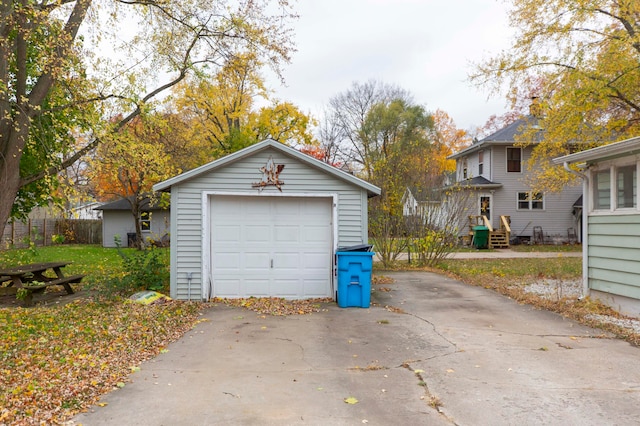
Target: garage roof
point(166, 185)
point(125, 204)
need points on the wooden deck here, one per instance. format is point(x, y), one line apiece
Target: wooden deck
point(498, 238)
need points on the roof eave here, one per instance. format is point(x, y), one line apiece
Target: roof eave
point(626, 147)
point(479, 145)
point(474, 186)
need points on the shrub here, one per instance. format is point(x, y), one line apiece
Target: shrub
point(57, 239)
point(147, 269)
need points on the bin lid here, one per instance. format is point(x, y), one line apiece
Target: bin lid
point(480, 228)
point(359, 247)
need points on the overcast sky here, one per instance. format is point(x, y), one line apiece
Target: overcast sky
point(423, 46)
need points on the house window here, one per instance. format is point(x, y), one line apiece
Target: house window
point(145, 221)
point(464, 169)
point(602, 190)
point(480, 162)
point(626, 186)
point(514, 160)
point(530, 200)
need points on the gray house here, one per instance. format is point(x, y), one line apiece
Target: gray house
point(494, 169)
point(611, 244)
point(263, 221)
point(118, 220)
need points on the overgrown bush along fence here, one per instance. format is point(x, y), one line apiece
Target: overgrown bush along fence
point(44, 232)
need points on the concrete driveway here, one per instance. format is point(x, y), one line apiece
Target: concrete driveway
point(442, 353)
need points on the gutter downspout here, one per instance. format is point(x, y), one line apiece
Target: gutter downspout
point(585, 236)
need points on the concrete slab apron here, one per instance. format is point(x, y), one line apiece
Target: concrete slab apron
point(239, 367)
point(485, 359)
point(511, 364)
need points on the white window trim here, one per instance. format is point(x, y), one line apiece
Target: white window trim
point(488, 195)
point(146, 220)
point(614, 186)
point(613, 189)
point(506, 158)
point(530, 201)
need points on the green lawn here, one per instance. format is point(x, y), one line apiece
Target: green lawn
point(562, 248)
point(95, 262)
point(486, 271)
point(546, 248)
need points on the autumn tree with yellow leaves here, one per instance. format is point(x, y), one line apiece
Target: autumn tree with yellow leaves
point(380, 133)
point(62, 59)
point(580, 59)
point(126, 166)
point(220, 113)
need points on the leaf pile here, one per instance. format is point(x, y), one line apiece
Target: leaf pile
point(277, 306)
point(381, 279)
point(58, 360)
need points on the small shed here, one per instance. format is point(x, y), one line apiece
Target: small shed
point(264, 221)
point(117, 219)
point(611, 222)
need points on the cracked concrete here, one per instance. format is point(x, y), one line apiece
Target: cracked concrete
point(459, 355)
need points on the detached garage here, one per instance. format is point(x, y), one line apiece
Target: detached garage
point(264, 221)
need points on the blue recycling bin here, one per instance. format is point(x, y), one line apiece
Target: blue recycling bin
point(354, 278)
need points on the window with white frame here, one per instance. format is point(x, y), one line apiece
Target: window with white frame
point(530, 200)
point(464, 169)
point(626, 187)
point(514, 160)
point(480, 163)
point(145, 221)
point(602, 190)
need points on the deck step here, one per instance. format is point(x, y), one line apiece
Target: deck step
point(498, 239)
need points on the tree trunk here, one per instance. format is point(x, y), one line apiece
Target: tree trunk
point(10, 185)
point(15, 121)
point(135, 211)
point(13, 145)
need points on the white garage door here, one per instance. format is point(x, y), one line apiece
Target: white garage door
point(271, 247)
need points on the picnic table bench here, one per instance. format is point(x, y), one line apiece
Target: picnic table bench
point(36, 277)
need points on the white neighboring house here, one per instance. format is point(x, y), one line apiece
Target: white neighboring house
point(611, 222)
point(87, 211)
point(422, 205)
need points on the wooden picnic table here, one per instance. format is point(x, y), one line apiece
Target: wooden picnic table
point(35, 277)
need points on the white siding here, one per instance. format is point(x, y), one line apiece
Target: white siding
point(237, 178)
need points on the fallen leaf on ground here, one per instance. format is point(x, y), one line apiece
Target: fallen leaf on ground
point(351, 400)
point(58, 360)
point(381, 279)
point(277, 306)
